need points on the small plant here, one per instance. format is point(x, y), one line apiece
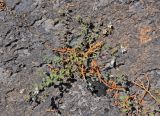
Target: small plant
point(83, 60)
point(74, 61)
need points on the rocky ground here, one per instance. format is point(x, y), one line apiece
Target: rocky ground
point(26, 26)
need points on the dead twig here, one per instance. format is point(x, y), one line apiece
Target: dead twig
point(64, 50)
point(83, 71)
point(95, 69)
point(146, 89)
point(94, 47)
point(145, 92)
point(112, 85)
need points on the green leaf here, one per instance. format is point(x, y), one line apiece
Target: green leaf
point(53, 75)
point(151, 114)
point(122, 97)
point(125, 110)
point(57, 59)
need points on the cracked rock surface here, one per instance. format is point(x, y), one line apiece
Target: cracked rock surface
point(27, 25)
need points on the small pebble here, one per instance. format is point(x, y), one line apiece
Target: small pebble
point(21, 91)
